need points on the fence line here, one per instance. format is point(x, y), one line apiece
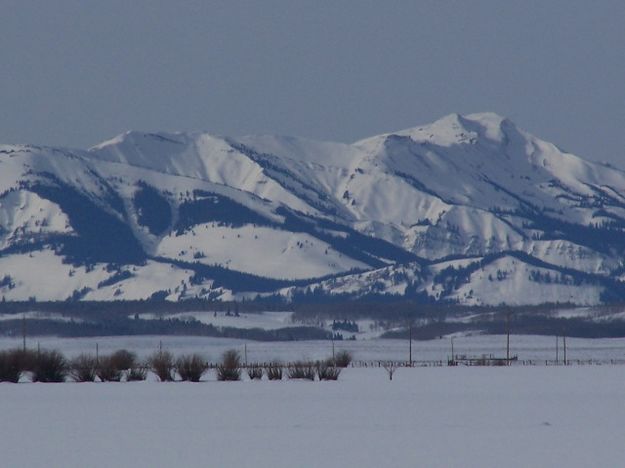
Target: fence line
point(519, 362)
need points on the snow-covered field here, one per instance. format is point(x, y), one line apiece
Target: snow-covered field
point(527, 347)
point(264, 320)
point(431, 417)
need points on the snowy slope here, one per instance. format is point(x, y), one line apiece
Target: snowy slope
point(259, 250)
point(23, 213)
point(238, 217)
point(43, 275)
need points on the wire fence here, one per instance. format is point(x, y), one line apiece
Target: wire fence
point(487, 361)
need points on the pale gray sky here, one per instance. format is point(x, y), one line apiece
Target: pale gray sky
point(77, 72)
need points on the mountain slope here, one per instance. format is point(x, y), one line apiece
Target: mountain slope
point(405, 214)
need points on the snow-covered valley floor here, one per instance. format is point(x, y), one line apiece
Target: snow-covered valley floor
point(430, 417)
point(527, 347)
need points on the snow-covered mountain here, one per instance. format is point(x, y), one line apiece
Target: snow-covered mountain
point(468, 209)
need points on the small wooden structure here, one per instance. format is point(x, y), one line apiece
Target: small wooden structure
point(483, 360)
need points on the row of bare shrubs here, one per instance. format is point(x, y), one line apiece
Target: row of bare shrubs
point(53, 366)
point(44, 366)
point(123, 365)
point(307, 370)
point(115, 367)
point(192, 367)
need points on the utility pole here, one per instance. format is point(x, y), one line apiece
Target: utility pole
point(410, 346)
point(508, 338)
point(245, 352)
point(452, 350)
point(564, 347)
point(24, 332)
point(557, 349)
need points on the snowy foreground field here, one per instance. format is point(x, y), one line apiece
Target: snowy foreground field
point(430, 417)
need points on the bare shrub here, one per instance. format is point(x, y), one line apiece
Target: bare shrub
point(107, 370)
point(343, 359)
point(83, 368)
point(390, 367)
point(162, 364)
point(50, 366)
point(230, 366)
point(301, 370)
point(10, 366)
point(26, 359)
point(255, 372)
point(137, 373)
point(191, 367)
point(328, 371)
point(274, 371)
point(123, 359)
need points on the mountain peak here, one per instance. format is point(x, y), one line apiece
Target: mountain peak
point(453, 129)
point(456, 128)
point(134, 137)
point(493, 125)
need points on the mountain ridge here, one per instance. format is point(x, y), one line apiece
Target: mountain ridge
point(381, 215)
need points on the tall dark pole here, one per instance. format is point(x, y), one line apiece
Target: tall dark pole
point(410, 346)
point(557, 349)
point(452, 350)
point(564, 347)
point(508, 338)
point(24, 332)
